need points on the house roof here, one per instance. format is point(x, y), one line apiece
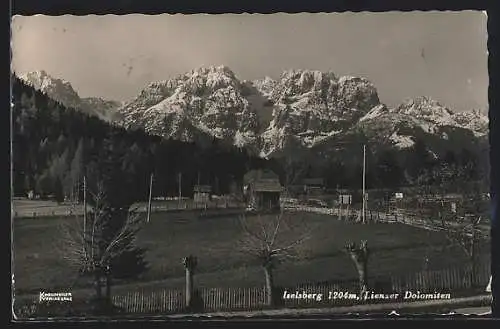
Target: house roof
point(266, 186)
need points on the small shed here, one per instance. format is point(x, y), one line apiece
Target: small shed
point(263, 190)
point(202, 193)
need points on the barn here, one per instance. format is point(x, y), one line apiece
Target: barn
point(262, 190)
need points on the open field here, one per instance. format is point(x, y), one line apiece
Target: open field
point(24, 208)
point(39, 208)
point(396, 249)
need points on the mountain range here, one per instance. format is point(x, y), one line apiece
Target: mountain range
point(63, 92)
point(302, 110)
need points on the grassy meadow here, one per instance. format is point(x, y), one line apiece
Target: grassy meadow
point(396, 249)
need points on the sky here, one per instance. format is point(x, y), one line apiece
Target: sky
point(442, 55)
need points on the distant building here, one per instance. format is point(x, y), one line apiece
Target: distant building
point(202, 193)
point(262, 190)
point(313, 185)
point(442, 198)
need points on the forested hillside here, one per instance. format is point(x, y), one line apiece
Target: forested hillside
point(53, 147)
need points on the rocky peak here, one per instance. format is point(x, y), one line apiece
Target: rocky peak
point(314, 106)
point(58, 89)
point(426, 108)
point(264, 86)
point(473, 120)
point(63, 92)
point(208, 99)
point(294, 83)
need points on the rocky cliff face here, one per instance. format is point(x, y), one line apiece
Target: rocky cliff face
point(207, 101)
point(312, 106)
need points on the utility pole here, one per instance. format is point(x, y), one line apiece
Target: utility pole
point(150, 197)
point(84, 212)
point(180, 188)
point(364, 181)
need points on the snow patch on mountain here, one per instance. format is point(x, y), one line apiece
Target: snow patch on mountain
point(313, 106)
point(300, 109)
point(420, 114)
point(427, 109)
point(473, 120)
point(62, 91)
point(375, 112)
point(436, 114)
point(265, 86)
point(401, 141)
point(58, 89)
point(209, 98)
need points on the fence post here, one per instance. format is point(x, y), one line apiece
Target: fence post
point(253, 300)
point(135, 302)
point(163, 307)
point(454, 278)
point(234, 298)
point(190, 264)
point(447, 280)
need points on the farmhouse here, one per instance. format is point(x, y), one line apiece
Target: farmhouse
point(202, 193)
point(262, 190)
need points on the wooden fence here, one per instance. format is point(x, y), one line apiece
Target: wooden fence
point(455, 281)
point(206, 299)
point(156, 302)
point(234, 299)
point(400, 216)
point(184, 205)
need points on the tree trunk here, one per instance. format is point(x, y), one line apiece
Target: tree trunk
point(189, 288)
point(97, 284)
point(269, 285)
point(473, 274)
point(108, 286)
point(363, 277)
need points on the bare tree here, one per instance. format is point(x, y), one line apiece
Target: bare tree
point(270, 241)
point(89, 245)
point(466, 234)
point(359, 255)
point(463, 228)
point(294, 169)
